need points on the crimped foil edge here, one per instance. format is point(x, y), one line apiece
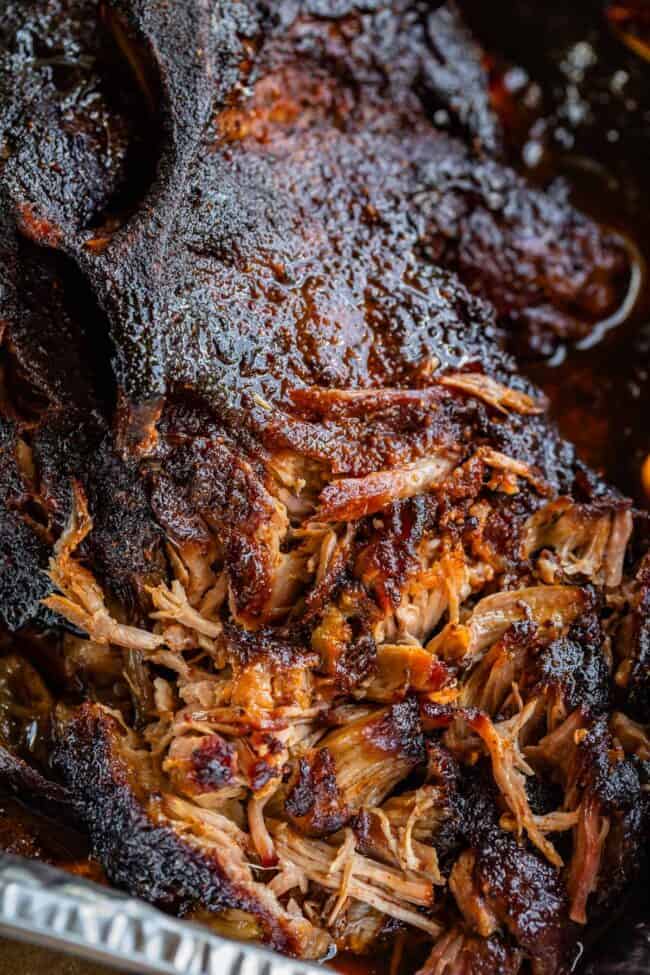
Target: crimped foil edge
point(43, 905)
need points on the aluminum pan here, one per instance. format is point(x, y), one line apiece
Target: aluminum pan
point(45, 906)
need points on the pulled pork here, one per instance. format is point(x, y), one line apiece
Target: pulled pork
point(315, 626)
point(320, 764)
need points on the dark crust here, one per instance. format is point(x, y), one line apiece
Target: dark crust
point(577, 665)
point(390, 553)
point(146, 857)
point(522, 889)
point(613, 780)
point(313, 801)
point(612, 784)
point(64, 165)
point(281, 650)
point(126, 543)
point(214, 762)
point(39, 300)
point(528, 898)
point(399, 732)
point(140, 855)
point(356, 664)
point(267, 197)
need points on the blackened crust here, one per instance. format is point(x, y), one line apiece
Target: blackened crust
point(140, 851)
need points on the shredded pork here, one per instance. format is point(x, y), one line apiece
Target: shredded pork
point(317, 747)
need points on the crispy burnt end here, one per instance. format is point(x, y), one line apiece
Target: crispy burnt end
point(270, 668)
point(387, 557)
point(608, 837)
point(350, 660)
point(276, 646)
point(163, 849)
point(356, 765)
point(214, 762)
point(203, 765)
point(535, 441)
point(517, 889)
point(23, 552)
point(443, 772)
point(357, 664)
point(314, 802)
point(576, 666)
point(458, 953)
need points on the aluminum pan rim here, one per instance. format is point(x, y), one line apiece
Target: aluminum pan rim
point(45, 906)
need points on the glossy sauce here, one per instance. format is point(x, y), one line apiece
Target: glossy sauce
point(351, 965)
